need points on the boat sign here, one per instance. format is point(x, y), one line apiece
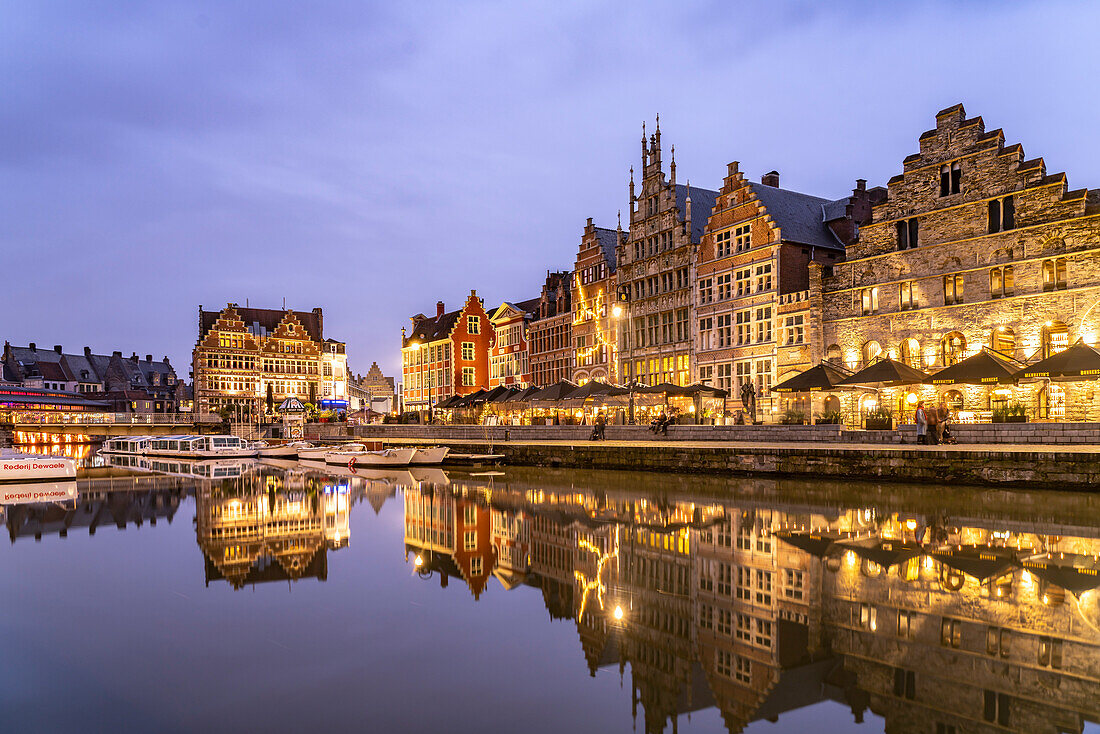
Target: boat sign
point(31, 492)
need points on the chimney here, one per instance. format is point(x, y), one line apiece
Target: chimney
point(33, 347)
point(57, 348)
point(133, 357)
point(116, 354)
point(438, 309)
point(87, 351)
point(771, 178)
point(148, 358)
point(166, 361)
point(861, 184)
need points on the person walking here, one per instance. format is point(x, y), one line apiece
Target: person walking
point(921, 419)
point(601, 424)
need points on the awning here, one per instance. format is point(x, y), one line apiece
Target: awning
point(816, 544)
point(705, 390)
point(492, 395)
point(822, 377)
point(664, 387)
point(979, 562)
point(448, 402)
point(885, 553)
point(555, 392)
point(984, 368)
point(596, 388)
point(291, 405)
point(1074, 579)
point(507, 396)
point(1078, 362)
point(471, 399)
point(884, 373)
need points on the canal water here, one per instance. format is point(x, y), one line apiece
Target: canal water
point(248, 596)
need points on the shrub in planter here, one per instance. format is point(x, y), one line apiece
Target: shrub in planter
point(793, 418)
point(880, 419)
point(828, 418)
point(1013, 413)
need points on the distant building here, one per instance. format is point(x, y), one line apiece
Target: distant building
point(550, 335)
point(445, 355)
point(251, 359)
point(374, 387)
point(128, 384)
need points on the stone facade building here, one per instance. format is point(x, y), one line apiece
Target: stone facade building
point(974, 246)
point(656, 272)
point(596, 312)
point(752, 280)
point(248, 360)
point(445, 355)
point(550, 339)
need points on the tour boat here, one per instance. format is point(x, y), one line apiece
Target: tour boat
point(126, 445)
point(282, 450)
point(25, 493)
point(430, 456)
point(200, 447)
point(356, 454)
point(19, 467)
point(309, 452)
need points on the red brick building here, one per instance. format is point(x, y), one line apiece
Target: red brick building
point(445, 355)
point(550, 335)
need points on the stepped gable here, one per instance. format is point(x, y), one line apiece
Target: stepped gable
point(267, 318)
point(227, 320)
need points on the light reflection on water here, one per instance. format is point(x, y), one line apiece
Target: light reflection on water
point(312, 596)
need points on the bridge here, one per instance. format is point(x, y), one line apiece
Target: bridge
point(113, 424)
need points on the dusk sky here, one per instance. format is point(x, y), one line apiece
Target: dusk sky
point(374, 158)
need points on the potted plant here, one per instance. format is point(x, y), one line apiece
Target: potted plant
point(793, 418)
point(1011, 413)
point(880, 419)
point(828, 418)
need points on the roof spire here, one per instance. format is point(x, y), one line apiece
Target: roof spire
point(687, 213)
point(643, 145)
point(620, 216)
point(632, 188)
point(672, 168)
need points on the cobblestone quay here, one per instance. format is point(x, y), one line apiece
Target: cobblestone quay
point(1070, 467)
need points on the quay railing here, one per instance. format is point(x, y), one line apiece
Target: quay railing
point(132, 419)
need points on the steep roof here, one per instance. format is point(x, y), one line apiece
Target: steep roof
point(531, 305)
point(799, 216)
point(609, 240)
point(833, 210)
point(433, 329)
point(702, 203)
point(268, 318)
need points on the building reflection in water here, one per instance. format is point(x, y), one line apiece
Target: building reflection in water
point(935, 623)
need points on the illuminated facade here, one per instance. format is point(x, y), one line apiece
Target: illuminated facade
point(974, 246)
point(248, 360)
point(334, 376)
point(753, 305)
point(657, 270)
point(509, 353)
point(445, 355)
point(596, 311)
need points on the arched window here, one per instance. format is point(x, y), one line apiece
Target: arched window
point(910, 353)
point(832, 354)
point(1004, 341)
point(832, 403)
point(945, 180)
point(952, 348)
point(1055, 337)
point(871, 352)
point(956, 178)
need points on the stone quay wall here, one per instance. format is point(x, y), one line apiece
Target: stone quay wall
point(966, 433)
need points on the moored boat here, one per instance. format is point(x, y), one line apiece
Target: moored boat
point(310, 452)
point(287, 450)
point(430, 456)
point(200, 447)
point(356, 455)
point(19, 467)
point(126, 445)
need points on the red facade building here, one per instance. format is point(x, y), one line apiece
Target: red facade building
point(446, 355)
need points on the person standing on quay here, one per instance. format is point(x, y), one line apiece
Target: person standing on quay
point(601, 423)
point(921, 419)
point(943, 413)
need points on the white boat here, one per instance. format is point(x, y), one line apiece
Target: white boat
point(315, 453)
point(430, 456)
point(356, 455)
point(200, 447)
point(126, 445)
point(281, 451)
point(25, 493)
point(19, 467)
